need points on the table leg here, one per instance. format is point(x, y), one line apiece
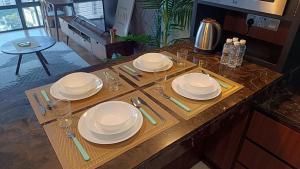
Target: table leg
point(56, 22)
point(40, 57)
point(67, 40)
point(73, 9)
point(19, 63)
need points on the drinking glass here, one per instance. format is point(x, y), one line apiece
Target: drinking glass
point(112, 80)
point(62, 110)
point(202, 63)
point(181, 57)
point(160, 80)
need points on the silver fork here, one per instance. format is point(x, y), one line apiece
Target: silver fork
point(78, 145)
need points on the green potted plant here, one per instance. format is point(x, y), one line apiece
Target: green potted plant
point(171, 15)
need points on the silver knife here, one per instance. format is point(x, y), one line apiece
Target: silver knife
point(41, 107)
point(130, 74)
point(174, 100)
point(146, 104)
point(221, 83)
point(132, 70)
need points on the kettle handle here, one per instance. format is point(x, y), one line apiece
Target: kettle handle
point(219, 30)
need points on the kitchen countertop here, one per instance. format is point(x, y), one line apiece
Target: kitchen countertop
point(284, 106)
point(255, 78)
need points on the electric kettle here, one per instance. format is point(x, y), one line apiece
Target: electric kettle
point(208, 36)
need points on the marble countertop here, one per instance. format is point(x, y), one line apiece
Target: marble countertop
point(284, 106)
point(255, 78)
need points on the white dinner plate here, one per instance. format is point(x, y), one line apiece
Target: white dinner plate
point(168, 64)
point(198, 84)
point(118, 111)
point(112, 139)
point(176, 87)
point(55, 91)
point(77, 83)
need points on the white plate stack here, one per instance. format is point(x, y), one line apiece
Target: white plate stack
point(110, 122)
point(196, 86)
point(153, 62)
point(76, 86)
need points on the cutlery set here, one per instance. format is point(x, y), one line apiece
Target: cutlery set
point(41, 107)
point(50, 103)
point(131, 72)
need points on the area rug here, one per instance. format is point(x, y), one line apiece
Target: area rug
point(61, 59)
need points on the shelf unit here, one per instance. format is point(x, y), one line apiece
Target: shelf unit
point(272, 49)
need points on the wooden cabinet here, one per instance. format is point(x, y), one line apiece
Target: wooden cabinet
point(238, 166)
point(222, 147)
point(276, 138)
point(255, 158)
point(98, 49)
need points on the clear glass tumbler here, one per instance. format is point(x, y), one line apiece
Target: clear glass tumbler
point(62, 110)
point(181, 57)
point(160, 80)
point(202, 63)
point(113, 80)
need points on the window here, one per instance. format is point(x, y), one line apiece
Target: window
point(19, 14)
point(10, 20)
point(33, 16)
point(7, 2)
point(90, 10)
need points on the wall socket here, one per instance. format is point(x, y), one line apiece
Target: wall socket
point(264, 22)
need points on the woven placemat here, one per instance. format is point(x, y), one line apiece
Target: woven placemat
point(102, 95)
point(69, 156)
point(229, 87)
point(148, 78)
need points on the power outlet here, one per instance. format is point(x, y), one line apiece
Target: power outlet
point(264, 22)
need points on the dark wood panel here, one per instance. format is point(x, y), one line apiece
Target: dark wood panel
point(276, 138)
point(255, 158)
point(221, 148)
point(236, 22)
point(238, 166)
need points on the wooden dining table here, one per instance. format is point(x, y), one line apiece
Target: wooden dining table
point(153, 145)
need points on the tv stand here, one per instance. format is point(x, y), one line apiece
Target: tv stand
point(92, 38)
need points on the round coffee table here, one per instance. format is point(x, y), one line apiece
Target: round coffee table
point(33, 44)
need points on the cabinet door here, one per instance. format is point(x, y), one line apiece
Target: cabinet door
point(222, 147)
point(255, 158)
point(275, 137)
point(64, 26)
point(238, 166)
point(98, 49)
